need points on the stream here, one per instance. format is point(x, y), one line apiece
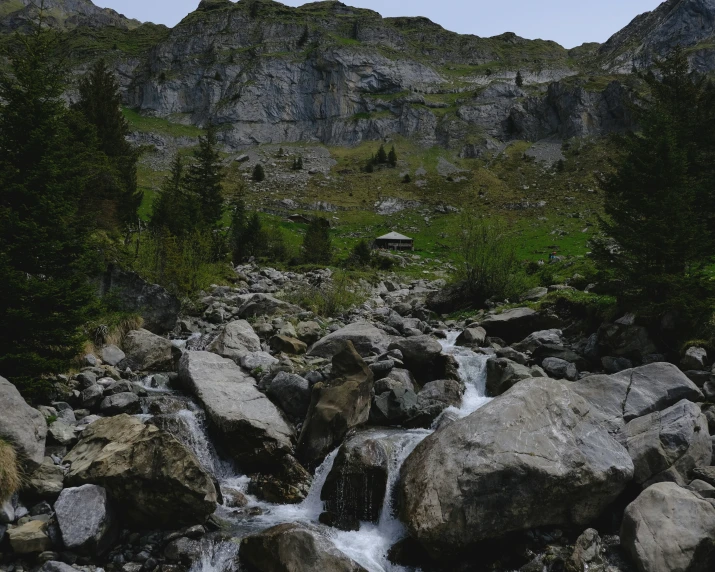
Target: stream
point(369, 545)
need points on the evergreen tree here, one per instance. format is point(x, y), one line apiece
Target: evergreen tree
point(100, 102)
point(204, 180)
point(254, 237)
point(171, 210)
point(317, 245)
point(407, 178)
point(237, 236)
point(361, 254)
point(48, 164)
point(659, 198)
point(519, 79)
point(392, 157)
point(381, 158)
point(259, 173)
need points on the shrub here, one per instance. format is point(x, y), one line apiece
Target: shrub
point(10, 476)
point(361, 254)
point(317, 245)
point(331, 298)
point(259, 174)
point(407, 178)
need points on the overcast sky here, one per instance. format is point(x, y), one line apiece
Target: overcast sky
point(568, 22)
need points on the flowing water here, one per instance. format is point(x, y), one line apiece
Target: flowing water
point(369, 545)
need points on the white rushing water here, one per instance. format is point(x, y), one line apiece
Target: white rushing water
point(369, 545)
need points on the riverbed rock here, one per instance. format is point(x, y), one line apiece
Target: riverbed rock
point(336, 406)
point(30, 538)
point(86, 520)
point(667, 445)
point(625, 339)
point(148, 474)
point(514, 325)
point(22, 426)
point(560, 369)
point(535, 456)
point(503, 373)
point(265, 305)
point(248, 425)
point(148, 352)
point(294, 548)
point(292, 394)
point(632, 393)
point(366, 339)
point(126, 402)
point(235, 340)
point(288, 345)
point(695, 359)
point(112, 355)
point(472, 337)
point(354, 490)
point(668, 528)
point(308, 332)
point(420, 355)
point(46, 482)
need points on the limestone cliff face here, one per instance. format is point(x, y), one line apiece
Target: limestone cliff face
point(690, 23)
point(61, 14)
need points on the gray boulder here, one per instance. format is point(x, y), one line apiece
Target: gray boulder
point(92, 395)
point(46, 482)
point(472, 337)
point(636, 392)
point(294, 548)
point(420, 355)
point(61, 433)
point(22, 426)
point(366, 340)
point(667, 445)
point(55, 566)
point(308, 332)
point(258, 360)
point(560, 369)
point(624, 339)
point(668, 528)
point(235, 340)
point(249, 427)
point(336, 406)
point(120, 403)
point(112, 355)
point(515, 324)
point(695, 359)
point(536, 456)
point(537, 339)
point(149, 475)
point(148, 352)
point(502, 374)
point(292, 394)
point(265, 305)
point(86, 520)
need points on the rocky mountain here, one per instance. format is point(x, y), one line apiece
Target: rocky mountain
point(689, 23)
point(62, 14)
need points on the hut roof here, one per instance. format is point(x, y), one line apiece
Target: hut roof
point(394, 236)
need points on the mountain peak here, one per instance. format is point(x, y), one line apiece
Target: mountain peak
point(62, 14)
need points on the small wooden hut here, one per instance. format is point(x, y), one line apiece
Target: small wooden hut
point(395, 241)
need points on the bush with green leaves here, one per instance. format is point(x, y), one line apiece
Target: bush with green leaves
point(331, 298)
point(259, 173)
point(317, 245)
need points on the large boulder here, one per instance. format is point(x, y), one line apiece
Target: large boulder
point(636, 392)
point(86, 520)
point(420, 355)
point(159, 309)
point(248, 425)
point(146, 351)
point(667, 445)
point(265, 305)
point(625, 339)
point(503, 373)
point(292, 394)
point(150, 476)
point(355, 488)
point(46, 482)
point(236, 340)
point(366, 339)
point(535, 456)
point(537, 339)
point(515, 324)
point(22, 426)
point(30, 538)
point(336, 406)
point(669, 529)
point(294, 548)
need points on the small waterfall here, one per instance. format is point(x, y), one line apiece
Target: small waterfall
point(197, 439)
point(473, 371)
point(217, 557)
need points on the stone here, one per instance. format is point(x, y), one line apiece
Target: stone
point(472, 337)
point(420, 355)
point(560, 369)
point(120, 403)
point(148, 352)
point(354, 490)
point(148, 474)
point(336, 406)
point(636, 392)
point(86, 520)
point(30, 538)
point(515, 324)
point(258, 360)
point(90, 360)
point(22, 426)
point(366, 339)
point(46, 482)
point(159, 309)
point(537, 339)
point(535, 294)
point(183, 550)
point(667, 445)
point(55, 566)
point(235, 340)
point(616, 364)
point(294, 548)
point(588, 552)
point(394, 407)
point(513, 355)
point(668, 528)
point(86, 379)
point(291, 393)
point(695, 359)
point(115, 387)
point(112, 355)
point(265, 305)
point(503, 373)
point(624, 339)
point(308, 332)
point(284, 344)
point(249, 427)
point(62, 433)
point(92, 395)
point(531, 469)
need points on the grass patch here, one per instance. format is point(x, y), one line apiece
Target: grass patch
point(331, 299)
point(138, 122)
point(10, 475)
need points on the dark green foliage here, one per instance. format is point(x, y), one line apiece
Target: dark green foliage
point(255, 9)
point(317, 245)
point(172, 209)
point(49, 167)
point(519, 79)
point(392, 157)
point(370, 167)
point(659, 198)
point(100, 103)
point(259, 174)
point(254, 240)
point(218, 76)
point(204, 180)
point(298, 164)
point(304, 37)
point(407, 178)
point(238, 229)
point(361, 254)
point(381, 157)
